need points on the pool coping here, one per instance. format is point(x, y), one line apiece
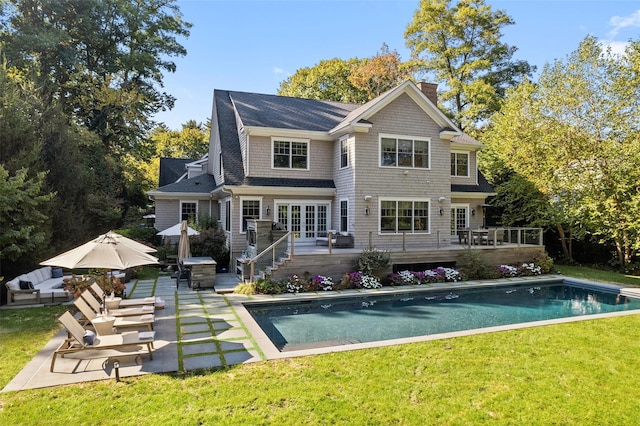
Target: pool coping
point(270, 351)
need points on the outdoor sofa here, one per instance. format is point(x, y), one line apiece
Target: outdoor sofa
point(43, 285)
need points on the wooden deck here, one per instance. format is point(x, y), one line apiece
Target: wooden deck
point(320, 260)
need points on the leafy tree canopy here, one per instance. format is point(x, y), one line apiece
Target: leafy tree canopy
point(576, 137)
point(458, 46)
point(353, 80)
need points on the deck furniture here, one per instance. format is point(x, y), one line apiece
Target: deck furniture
point(123, 312)
point(323, 238)
point(98, 321)
point(124, 303)
point(74, 343)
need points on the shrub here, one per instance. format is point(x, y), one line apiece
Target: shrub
point(245, 288)
point(212, 242)
point(372, 261)
point(544, 261)
point(269, 286)
point(475, 264)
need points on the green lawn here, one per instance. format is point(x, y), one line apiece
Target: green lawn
point(578, 373)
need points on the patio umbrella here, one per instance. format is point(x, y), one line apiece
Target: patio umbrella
point(176, 230)
point(184, 249)
point(104, 252)
point(121, 239)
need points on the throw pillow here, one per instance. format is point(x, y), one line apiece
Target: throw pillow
point(89, 337)
point(26, 285)
point(56, 273)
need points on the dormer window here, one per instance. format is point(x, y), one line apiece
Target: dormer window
point(290, 153)
point(460, 164)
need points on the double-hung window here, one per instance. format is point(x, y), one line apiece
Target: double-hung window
point(344, 153)
point(188, 211)
point(397, 216)
point(460, 164)
point(344, 215)
point(404, 151)
point(290, 154)
point(250, 210)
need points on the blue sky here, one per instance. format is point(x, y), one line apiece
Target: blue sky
point(252, 46)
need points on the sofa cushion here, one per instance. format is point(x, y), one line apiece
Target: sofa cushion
point(14, 284)
point(33, 277)
point(47, 272)
point(38, 274)
point(56, 273)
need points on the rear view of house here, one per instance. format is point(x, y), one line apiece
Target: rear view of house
point(392, 173)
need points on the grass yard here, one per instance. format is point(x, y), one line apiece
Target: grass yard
point(577, 373)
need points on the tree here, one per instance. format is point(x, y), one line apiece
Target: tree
point(576, 137)
point(103, 59)
point(328, 80)
point(21, 219)
point(459, 47)
point(353, 80)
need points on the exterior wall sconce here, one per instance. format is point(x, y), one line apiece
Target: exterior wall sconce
point(473, 212)
point(441, 212)
point(366, 211)
point(268, 210)
point(441, 199)
point(367, 197)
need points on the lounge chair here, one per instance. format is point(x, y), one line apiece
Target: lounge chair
point(125, 303)
point(121, 322)
point(74, 343)
point(124, 312)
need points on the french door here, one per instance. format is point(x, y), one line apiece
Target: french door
point(304, 220)
point(459, 217)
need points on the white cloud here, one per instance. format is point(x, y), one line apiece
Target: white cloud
point(621, 22)
point(277, 70)
point(617, 47)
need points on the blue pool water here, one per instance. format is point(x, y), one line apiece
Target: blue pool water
point(337, 321)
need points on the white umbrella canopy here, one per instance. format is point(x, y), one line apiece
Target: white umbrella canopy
point(175, 231)
point(104, 252)
point(121, 239)
point(184, 248)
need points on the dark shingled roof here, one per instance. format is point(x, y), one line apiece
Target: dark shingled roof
point(202, 184)
point(483, 186)
point(283, 112)
point(298, 183)
point(229, 142)
point(171, 169)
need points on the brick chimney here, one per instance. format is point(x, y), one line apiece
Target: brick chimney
point(430, 90)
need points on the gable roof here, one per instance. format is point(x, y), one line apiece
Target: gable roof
point(202, 184)
point(171, 169)
point(361, 114)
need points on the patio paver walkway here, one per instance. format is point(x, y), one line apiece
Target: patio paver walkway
point(195, 330)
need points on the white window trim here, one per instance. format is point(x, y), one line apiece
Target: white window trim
point(242, 200)
point(413, 138)
point(188, 202)
point(286, 201)
point(345, 139)
point(468, 164)
point(285, 139)
point(467, 214)
point(413, 199)
point(340, 213)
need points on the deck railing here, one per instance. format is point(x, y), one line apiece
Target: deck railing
point(271, 255)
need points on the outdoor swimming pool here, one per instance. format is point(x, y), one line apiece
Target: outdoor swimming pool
point(317, 323)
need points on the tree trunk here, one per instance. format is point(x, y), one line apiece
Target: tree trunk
point(565, 250)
